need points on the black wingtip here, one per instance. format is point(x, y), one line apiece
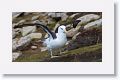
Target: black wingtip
point(75, 23)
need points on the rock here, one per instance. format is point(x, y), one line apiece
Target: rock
point(16, 32)
point(67, 42)
point(36, 35)
point(24, 41)
point(33, 47)
point(16, 14)
point(54, 14)
point(97, 23)
point(64, 16)
point(21, 43)
point(15, 55)
point(18, 23)
point(13, 33)
point(43, 49)
point(35, 17)
point(39, 22)
point(28, 29)
point(21, 22)
point(74, 37)
point(86, 38)
point(72, 16)
point(72, 32)
point(56, 26)
point(14, 44)
point(87, 18)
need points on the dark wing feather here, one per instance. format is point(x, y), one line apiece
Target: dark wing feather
point(56, 30)
point(45, 28)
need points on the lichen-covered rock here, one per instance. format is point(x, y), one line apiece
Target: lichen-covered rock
point(21, 43)
point(13, 33)
point(57, 25)
point(86, 38)
point(43, 49)
point(14, 44)
point(35, 17)
point(36, 35)
point(97, 23)
point(19, 23)
point(74, 37)
point(64, 16)
point(87, 18)
point(72, 32)
point(16, 32)
point(72, 16)
point(15, 55)
point(16, 14)
point(33, 47)
point(28, 30)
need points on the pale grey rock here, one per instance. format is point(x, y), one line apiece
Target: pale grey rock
point(14, 44)
point(39, 22)
point(69, 26)
point(34, 47)
point(15, 55)
point(28, 30)
point(43, 49)
point(74, 37)
point(72, 16)
point(21, 43)
point(53, 14)
point(36, 35)
point(16, 14)
point(67, 42)
point(35, 17)
point(96, 23)
point(18, 23)
point(87, 18)
point(64, 16)
point(21, 22)
point(46, 35)
point(16, 32)
point(24, 41)
point(56, 26)
point(13, 33)
point(72, 32)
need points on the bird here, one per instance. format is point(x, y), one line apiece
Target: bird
point(55, 40)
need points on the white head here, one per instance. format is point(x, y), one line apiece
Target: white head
point(62, 28)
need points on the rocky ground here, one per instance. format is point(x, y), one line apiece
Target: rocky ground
point(84, 42)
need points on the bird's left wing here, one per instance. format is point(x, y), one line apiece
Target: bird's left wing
point(45, 28)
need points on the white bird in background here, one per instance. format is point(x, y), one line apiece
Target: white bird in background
point(55, 40)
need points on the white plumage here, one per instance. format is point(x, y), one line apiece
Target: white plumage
point(58, 42)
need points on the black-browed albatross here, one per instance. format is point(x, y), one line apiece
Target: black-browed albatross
point(55, 40)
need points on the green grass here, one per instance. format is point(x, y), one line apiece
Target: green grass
point(35, 56)
point(84, 49)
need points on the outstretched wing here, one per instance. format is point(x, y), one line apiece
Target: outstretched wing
point(45, 28)
point(56, 30)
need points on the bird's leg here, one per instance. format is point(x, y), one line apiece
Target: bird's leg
point(60, 51)
point(51, 53)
